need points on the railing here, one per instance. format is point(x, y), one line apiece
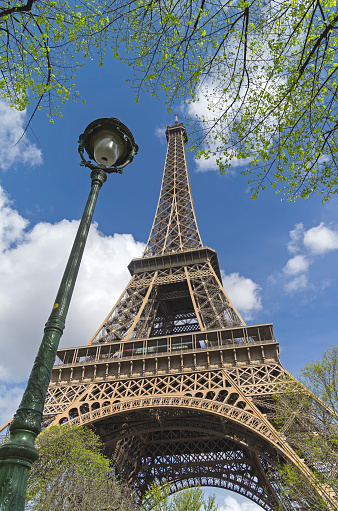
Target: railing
point(154, 351)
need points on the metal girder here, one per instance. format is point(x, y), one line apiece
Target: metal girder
point(175, 227)
point(175, 383)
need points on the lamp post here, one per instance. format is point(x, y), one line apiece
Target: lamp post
point(112, 146)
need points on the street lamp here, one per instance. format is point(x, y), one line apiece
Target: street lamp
point(112, 146)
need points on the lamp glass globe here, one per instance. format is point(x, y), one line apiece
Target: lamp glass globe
point(108, 147)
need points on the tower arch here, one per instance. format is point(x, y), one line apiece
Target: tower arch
point(174, 381)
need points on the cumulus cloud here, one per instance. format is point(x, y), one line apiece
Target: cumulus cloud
point(307, 244)
point(10, 397)
point(231, 504)
point(321, 239)
point(12, 225)
point(203, 107)
point(204, 164)
point(160, 133)
point(297, 264)
point(12, 124)
point(243, 292)
point(296, 237)
point(32, 262)
point(296, 269)
point(200, 108)
point(296, 284)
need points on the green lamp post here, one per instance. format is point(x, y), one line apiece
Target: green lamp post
point(112, 146)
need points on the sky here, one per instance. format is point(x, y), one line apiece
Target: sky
point(278, 259)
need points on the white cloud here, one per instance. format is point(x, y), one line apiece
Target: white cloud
point(321, 239)
point(231, 504)
point(31, 266)
point(307, 244)
point(160, 133)
point(323, 159)
point(296, 236)
point(200, 108)
point(10, 398)
point(12, 225)
point(204, 164)
point(205, 106)
point(12, 124)
point(297, 264)
point(243, 292)
point(296, 284)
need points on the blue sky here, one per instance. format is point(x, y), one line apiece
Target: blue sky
point(278, 259)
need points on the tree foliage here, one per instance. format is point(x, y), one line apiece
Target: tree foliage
point(321, 377)
point(40, 41)
point(72, 474)
point(266, 73)
point(158, 498)
point(311, 428)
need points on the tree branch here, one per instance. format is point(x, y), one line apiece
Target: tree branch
point(22, 8)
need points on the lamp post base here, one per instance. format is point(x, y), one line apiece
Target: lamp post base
point(19, 453)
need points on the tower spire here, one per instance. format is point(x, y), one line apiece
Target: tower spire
point(175, 227)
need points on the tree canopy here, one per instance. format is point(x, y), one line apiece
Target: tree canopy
point(39, 42)
point(73, 474)
point(311, 428)
point(264, 71)
point(158, 498)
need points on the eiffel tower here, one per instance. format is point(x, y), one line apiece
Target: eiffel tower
point(174, 381)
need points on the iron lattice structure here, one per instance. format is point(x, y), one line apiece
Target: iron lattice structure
point(174, 381)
